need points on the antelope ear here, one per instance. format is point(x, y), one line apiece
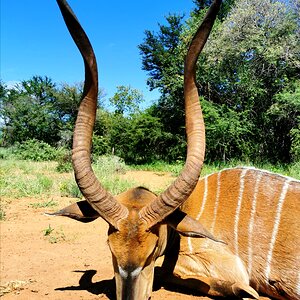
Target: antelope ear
point(188, 226)
point(80, 211)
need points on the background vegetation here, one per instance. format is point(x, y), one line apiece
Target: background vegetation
point(248, 78)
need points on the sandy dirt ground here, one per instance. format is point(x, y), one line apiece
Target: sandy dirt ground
point(57, 258)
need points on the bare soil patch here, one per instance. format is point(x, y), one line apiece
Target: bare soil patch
point(57, 258)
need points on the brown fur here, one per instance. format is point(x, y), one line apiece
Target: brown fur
point(283, 279)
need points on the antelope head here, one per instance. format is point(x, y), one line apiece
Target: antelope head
point(138, 219)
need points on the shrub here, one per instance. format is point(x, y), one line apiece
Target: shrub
point(70, 189)
point(64, 163)
point(100, 145)
point(109, 165)
point(295, 147)
point(6, 153)
point(37, 151)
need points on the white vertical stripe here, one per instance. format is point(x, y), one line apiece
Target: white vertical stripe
point(238, 210)
point(276, 226)
point(190, 244)
point(216, 202)
point(204, 199)
point(298, 284)
point(251, 223)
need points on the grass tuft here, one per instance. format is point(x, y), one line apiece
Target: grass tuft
point(54, 236)
point(69, 188)
point(160, 166)
point(48, 230)
point(2, 214)
point(44, 204)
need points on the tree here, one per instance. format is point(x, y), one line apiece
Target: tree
point(251, 57)
point(138, 138)
point(163, 60)
point(68, 98)
point(126, 99)
point(37, 109)
point(254, 55)
point(26, 111)
point(160, 54)
point(284, 114)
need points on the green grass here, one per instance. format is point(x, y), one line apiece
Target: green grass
point(25, 179)
point(47, 231)
point(69, 188)
point(44, 204)
point(41, 180)
point(160, 166)
point(292, 170)
point(53, 235)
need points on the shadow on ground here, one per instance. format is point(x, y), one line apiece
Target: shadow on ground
point(106, 287)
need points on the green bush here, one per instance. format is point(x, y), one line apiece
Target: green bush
point(64, 163)
point(295, 147)
point(109, 165)
point(6, 153)
point(37, 151)
point(228, 133)
point(70, 189)
point(100, 145)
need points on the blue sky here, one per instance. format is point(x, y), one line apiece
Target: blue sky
point(35, 41)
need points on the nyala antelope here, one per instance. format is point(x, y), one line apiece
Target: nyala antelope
point(144, 226)
point(257, 213)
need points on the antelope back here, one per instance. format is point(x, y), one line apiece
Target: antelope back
point(257, 213)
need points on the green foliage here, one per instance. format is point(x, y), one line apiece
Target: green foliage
point(106, 168)
point(48, 230)
point(41, 179)
point(160, 55)
point(126, 100)
point(227, 132)
point(295, 147)
point(53, 235)
point(26, 111)
point(248, 77)
point(36, 186)
point(37, 109)
point(36, 150)
point(101, 145)
point(64, 163)
point(138, 138)
point(109, 165)
point(26, 187)
point(251, 58)
point(284, 115)
point(6, 153)
point(26, 179)
point(69, 188)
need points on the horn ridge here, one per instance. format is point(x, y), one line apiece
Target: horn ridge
point(102, 201)
point(183, 186)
